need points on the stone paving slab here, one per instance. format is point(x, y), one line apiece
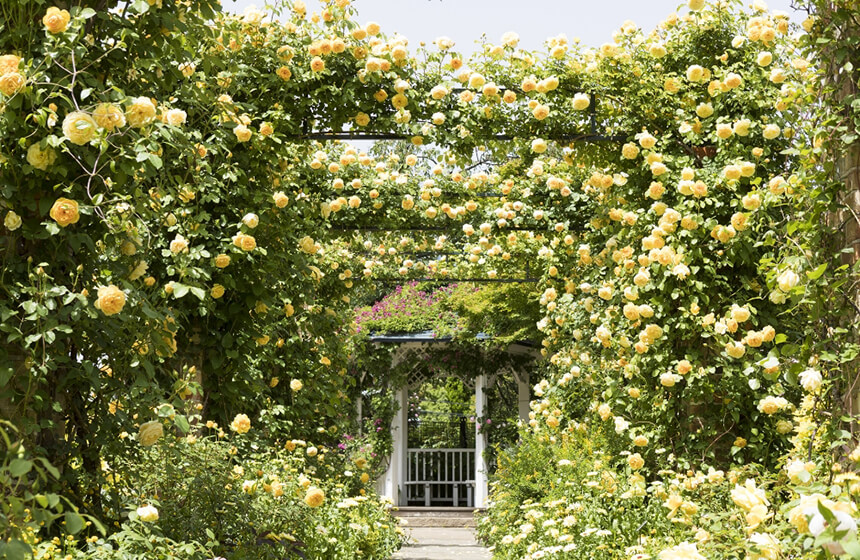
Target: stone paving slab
point(442, 543)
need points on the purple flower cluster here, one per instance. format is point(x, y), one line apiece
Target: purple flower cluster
point(405, 301)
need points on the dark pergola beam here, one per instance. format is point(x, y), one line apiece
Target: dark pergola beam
point(455, 280)
point(331, 136)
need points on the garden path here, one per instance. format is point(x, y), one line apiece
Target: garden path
point(442, 543)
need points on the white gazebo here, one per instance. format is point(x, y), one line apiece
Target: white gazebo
point(455, 477)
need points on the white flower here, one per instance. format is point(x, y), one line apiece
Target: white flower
point(787, 280)
point(810, 380)
point(251, 220)
point(147, 513)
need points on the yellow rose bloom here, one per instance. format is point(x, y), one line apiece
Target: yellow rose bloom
point(79, 128)
point(12, 221)
point(314, 497)
point(540, 112)
point(141, 112)
point(110, 300)
point(281, 199)
point(217, 291)
point(39, 158)
point(581, 102)
point(65, 212)
point(109, 116)
point(296, 385)
point(11, 83)
point(222, 261)
point(242, 132)
point(56, 20)
point(245, 242)
point(9, 63)
point(150, 432)
point(317, 64)
point(241, 424)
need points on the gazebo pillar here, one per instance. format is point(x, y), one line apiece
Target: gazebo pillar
point(481, 488)
point(395, 475)
point(523, 395)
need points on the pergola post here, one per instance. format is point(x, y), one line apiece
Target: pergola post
point(396, 474)
point(481, 488)
point(523, 395)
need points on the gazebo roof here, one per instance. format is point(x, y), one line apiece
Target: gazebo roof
point(427, 337)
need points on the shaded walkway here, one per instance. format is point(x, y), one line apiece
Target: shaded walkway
point(442, 543)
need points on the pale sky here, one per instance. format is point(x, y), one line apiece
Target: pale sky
point(593, 21)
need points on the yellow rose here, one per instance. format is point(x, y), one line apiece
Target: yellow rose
point(12, 221)
point(362, 119)
point(671, 85)
point(307, 245)
point(581, 102)
point(39, 158)
point(705, 110)
point(771, 131)
point(9, 63)
point(296, 385)
point(65, 212)
point(244, 242)
point(281, 199)
point(222, 261)
point(636, 461)
point(179, 245)
point(217, 291)
point(109, 116)
point(540, 112)
point(79, 128)
point(11, 83)
point(110, 300)
point(735, 349)
point(242, 132)
point(141, 112)
point(56, 20)
point(175, 117)
point(150, 432)
point(241, 424)
point(314, 497)
point(695, 73)
point(317, 64)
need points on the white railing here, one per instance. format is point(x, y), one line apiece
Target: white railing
point(440, 476)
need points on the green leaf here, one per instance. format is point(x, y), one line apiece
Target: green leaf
point(74, 522)
point(816, 274)
point(182, 423)
point(179, 290)
point(199, 293)
point(852, 547)
point(140, 6)
point(20, 467)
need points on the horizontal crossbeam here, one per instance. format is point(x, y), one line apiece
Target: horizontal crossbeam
point(332, 136)
point(456, 280)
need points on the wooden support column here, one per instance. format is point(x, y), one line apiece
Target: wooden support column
point(481, 488)
point(523, 395)
point(395, 476)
